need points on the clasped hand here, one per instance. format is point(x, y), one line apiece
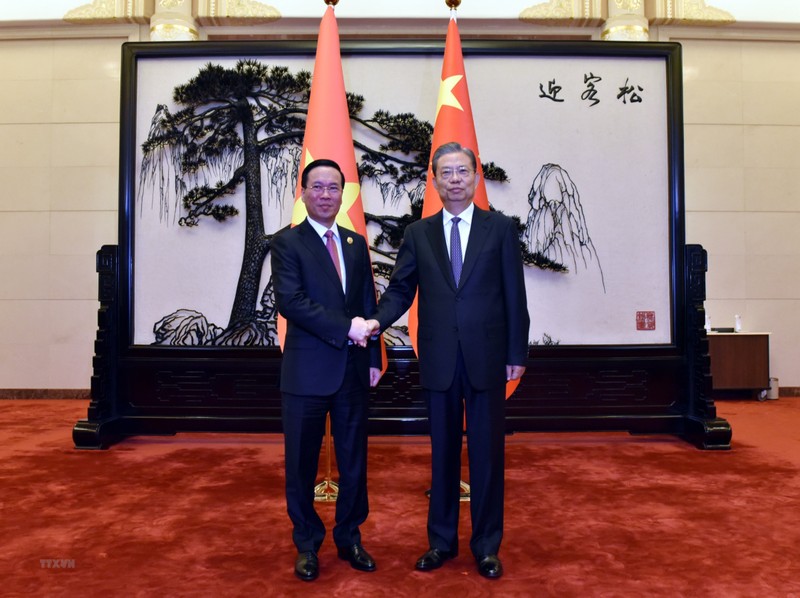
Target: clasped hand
point(362, 330)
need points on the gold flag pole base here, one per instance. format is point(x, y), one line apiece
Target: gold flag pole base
point(327, 490)
point(463, 496)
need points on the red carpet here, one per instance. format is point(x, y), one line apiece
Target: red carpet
point(592, 514)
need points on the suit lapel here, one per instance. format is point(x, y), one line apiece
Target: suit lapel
point(435, 234)
point(478, 233)
point(349, 256)
point(316, 246)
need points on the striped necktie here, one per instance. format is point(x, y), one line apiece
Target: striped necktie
point(455, 249)
point(333, 251)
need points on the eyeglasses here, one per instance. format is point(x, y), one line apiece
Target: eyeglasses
point(462, 172)
point(317, 189)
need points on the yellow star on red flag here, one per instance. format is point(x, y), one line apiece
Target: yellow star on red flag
point(446, 96)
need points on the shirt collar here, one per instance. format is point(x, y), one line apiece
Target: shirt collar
point(466, 215)
point(321, 228)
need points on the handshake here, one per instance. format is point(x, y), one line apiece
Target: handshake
point(361, 330)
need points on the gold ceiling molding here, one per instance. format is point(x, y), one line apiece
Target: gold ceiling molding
point(686, 12)
point(574, 13)
point(629, 5)
point(111, 11)
point(235, 12)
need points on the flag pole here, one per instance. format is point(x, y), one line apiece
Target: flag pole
point(464, 494)
point(327, 490)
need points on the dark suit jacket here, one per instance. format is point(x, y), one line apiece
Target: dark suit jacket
point(487, 314)
point(308, 293)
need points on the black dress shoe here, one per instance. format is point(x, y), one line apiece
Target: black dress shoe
point(357, 557)
point(433, 559)
point(490, 566)
point(306, 567)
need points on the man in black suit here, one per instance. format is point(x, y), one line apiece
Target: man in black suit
point(466, 264)
point(323, 286)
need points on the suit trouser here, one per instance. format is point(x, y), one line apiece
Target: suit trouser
point(485, 417)
point(304, 428)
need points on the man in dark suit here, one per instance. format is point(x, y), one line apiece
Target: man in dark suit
point(473, 318)
point(323, 286)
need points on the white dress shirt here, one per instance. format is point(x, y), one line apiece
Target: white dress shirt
point(464, 226)
point(321, 230)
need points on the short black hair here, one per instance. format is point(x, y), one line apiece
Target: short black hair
point(316, 164)
point(453, 148)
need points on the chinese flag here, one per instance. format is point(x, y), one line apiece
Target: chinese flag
point(453, 122)
point(328, 136)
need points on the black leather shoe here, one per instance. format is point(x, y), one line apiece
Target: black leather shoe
point(357, 557)
point(490, 566)
point(433, 559)
point(306, 567)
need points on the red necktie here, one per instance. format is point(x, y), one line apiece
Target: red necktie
point(333, 251)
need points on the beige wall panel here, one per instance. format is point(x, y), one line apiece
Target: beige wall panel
point(24, 277)
point(707, 102)
point(726, 277)
point(24, 233)
point(68, 365)
point(772, 103)
point(772, 276)
point(85, 145)
point(771, 147)
point(772, 233)
point(85, 188)
point(26, 60)
point(714, 189)
point(82, 233)
point(770, 62)
point(718, 146)
point(24, 322)
point(25, 101)
point(72, 277)
point(24, 364)
point(720, 233)
point(772, 189)
point(25, 145)
point(25, 188)
point(88, 59)
point(782, 320)
point(73, 325)
point(70, 320)
point(707, 60)
point(88, 101)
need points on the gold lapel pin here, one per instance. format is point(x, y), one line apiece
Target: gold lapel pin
point(349, 240)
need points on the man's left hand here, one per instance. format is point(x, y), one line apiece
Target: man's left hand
point(514, 372)
point(374, 376)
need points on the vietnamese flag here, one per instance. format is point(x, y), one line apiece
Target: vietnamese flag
point(328, 136)
point(453, 122)
point(328, 133)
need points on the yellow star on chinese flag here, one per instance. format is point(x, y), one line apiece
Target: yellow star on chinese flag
point(446, 95)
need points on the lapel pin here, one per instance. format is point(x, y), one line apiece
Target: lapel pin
point(349, 240)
